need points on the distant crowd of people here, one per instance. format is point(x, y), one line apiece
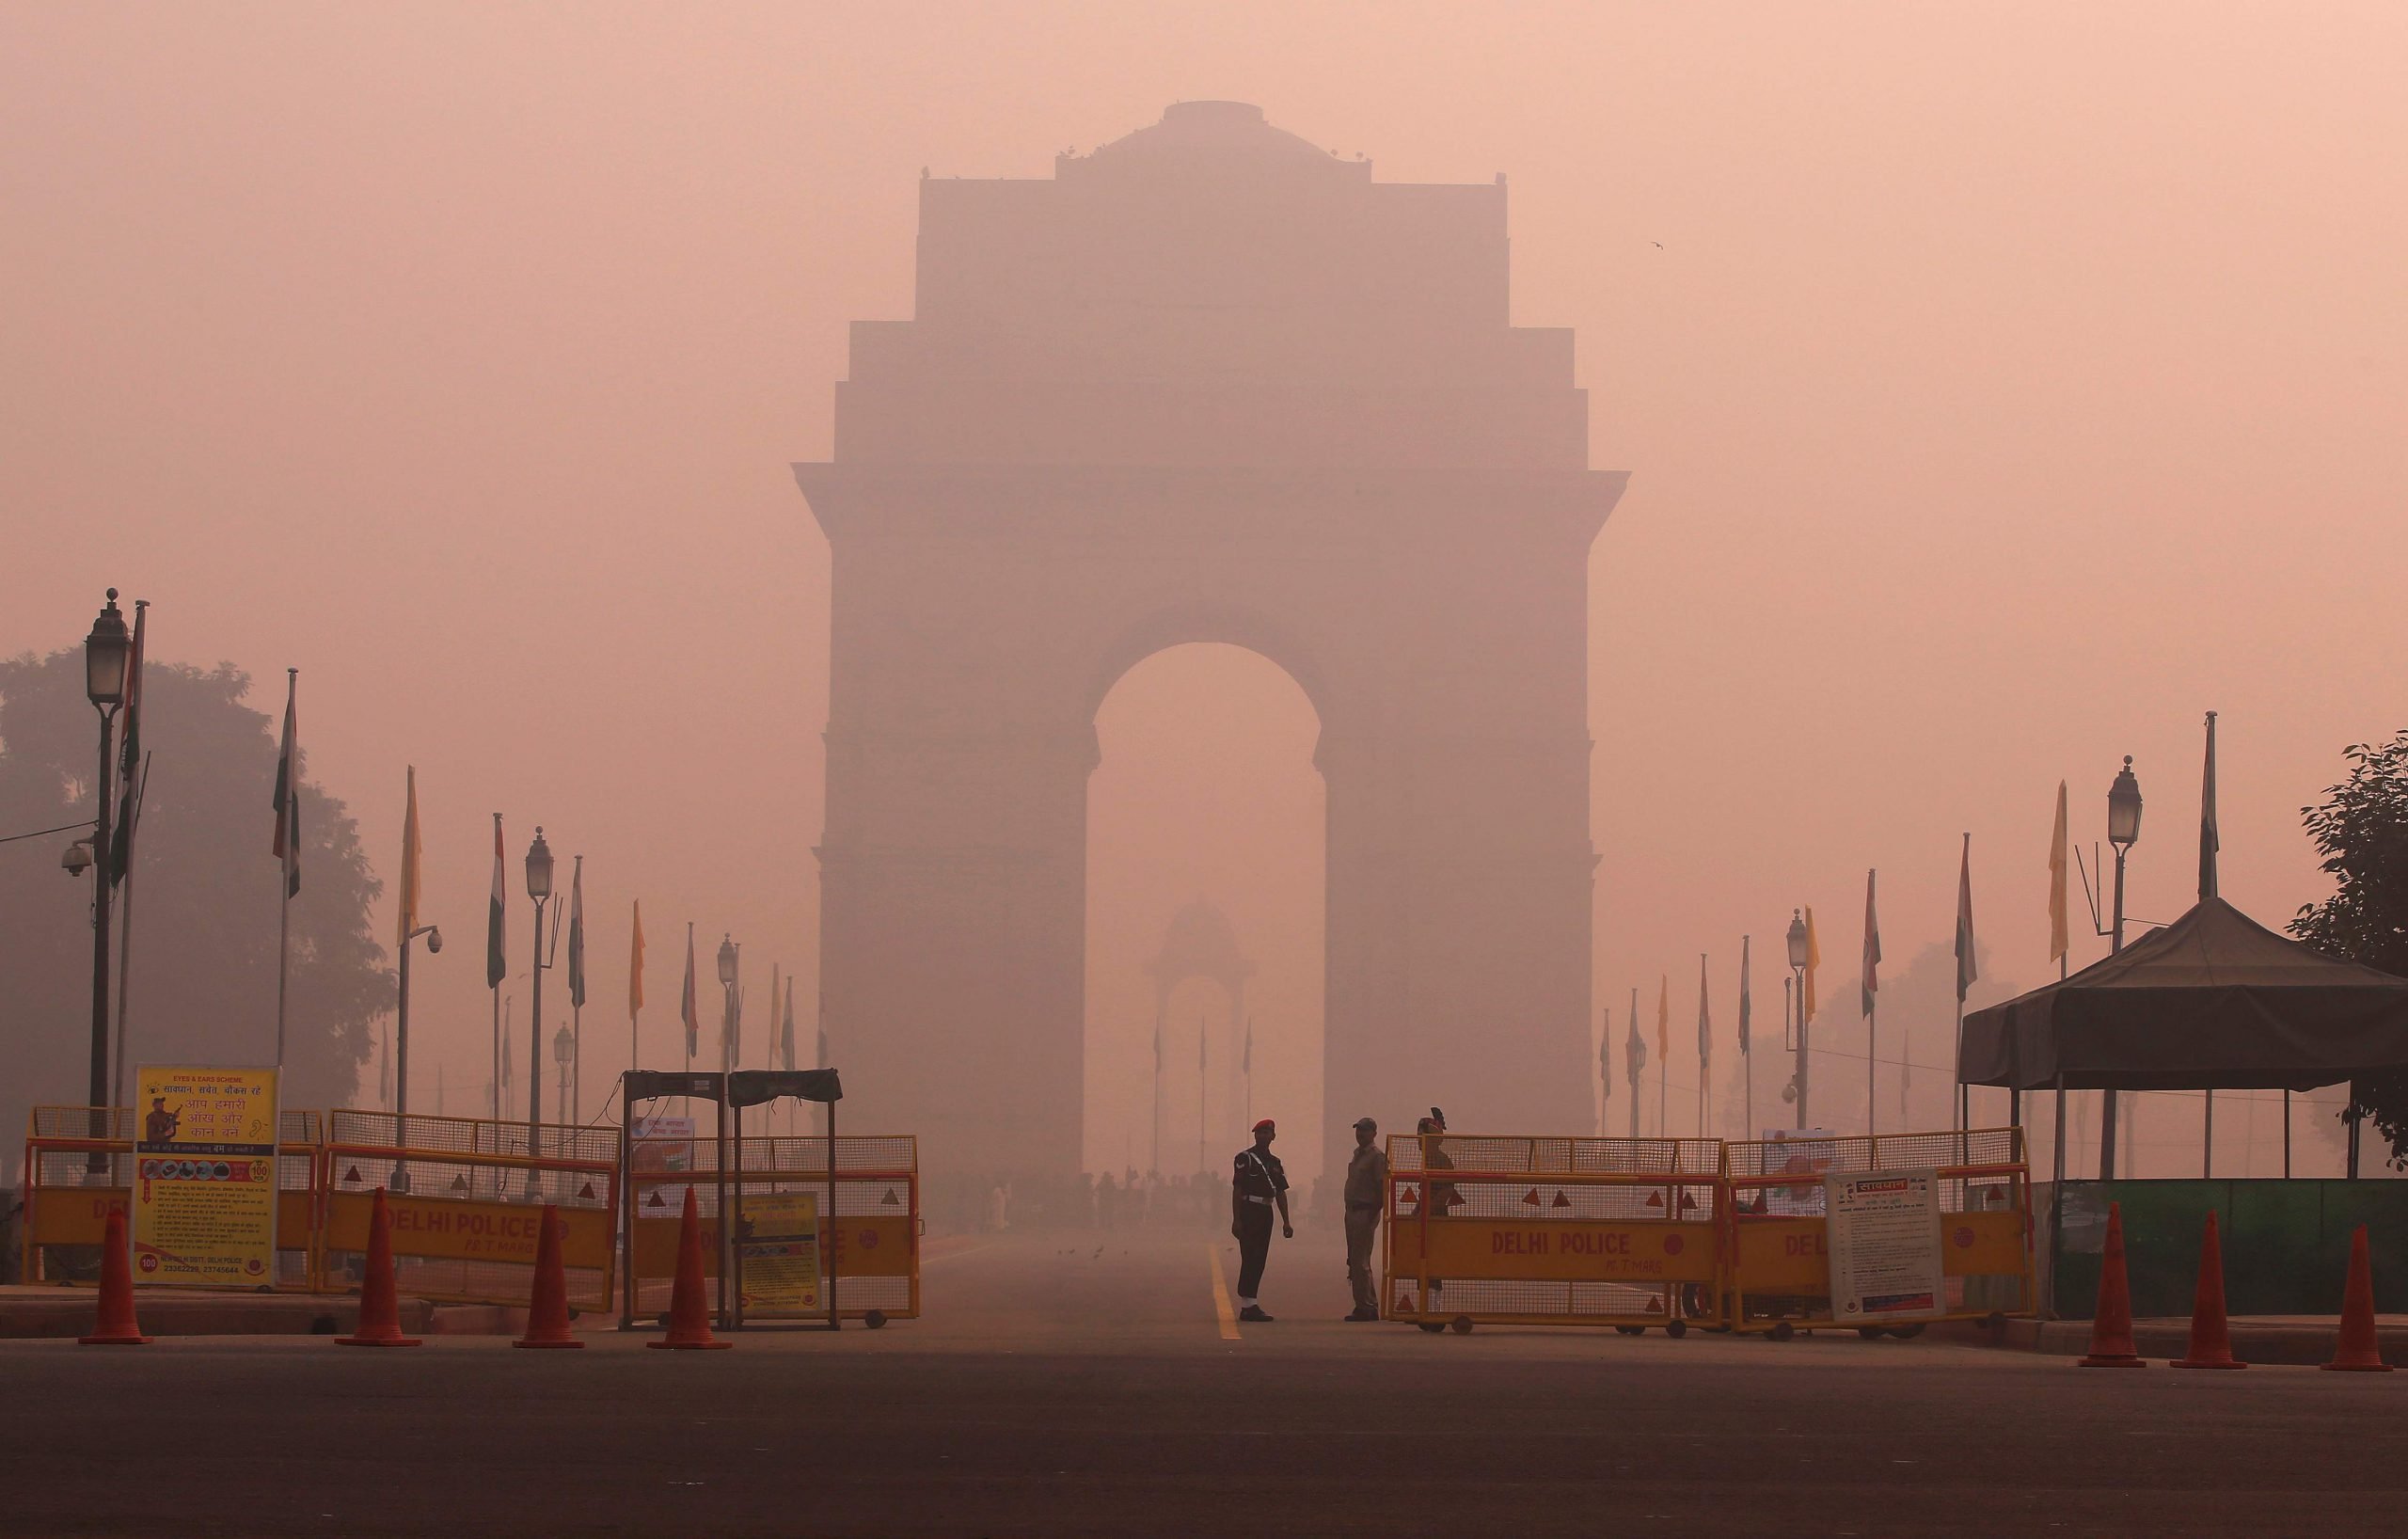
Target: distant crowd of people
point(1126, 1199)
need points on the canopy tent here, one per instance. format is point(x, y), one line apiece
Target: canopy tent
point(2214, 1001)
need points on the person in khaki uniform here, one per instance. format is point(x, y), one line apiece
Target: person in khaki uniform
point(1366, 1196)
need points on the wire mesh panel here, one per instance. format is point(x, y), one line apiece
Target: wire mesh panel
point(1781, 1241)
point(1553, 1230)
point(74, 1178)
point(465, 1198)
point(871, 1234)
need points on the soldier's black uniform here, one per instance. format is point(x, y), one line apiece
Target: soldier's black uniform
point(1257, 1182)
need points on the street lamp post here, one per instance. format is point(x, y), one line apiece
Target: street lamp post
point(106, 654)
point(539, 887)
point(2123, 831)
point(402, 1047)
point(1797, 971)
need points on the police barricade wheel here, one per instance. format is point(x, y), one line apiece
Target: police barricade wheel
point(1630, 1330)
point(1870, 1333)
point(1433, 1327)
point(1677, 1329)
point(1781, 1331)
point(1906, 1333)
point(1462, 1325)
point(874, 1319)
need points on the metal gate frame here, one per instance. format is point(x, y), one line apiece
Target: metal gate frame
point(1606, 1184)
point(1968, 1161)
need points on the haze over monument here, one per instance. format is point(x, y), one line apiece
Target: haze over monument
point(458, 360)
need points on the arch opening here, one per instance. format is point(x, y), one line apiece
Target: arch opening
point(1206, 872)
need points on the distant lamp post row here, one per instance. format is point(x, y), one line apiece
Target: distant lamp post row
point(728, 954)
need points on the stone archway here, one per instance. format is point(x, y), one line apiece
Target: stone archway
point(1199, 943)
point(1208, 383)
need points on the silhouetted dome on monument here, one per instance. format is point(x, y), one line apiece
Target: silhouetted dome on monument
point(1208, 133)
point(1200, 940)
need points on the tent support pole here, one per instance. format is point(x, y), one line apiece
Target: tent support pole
point(2056, 1199)
point(2286, 1136)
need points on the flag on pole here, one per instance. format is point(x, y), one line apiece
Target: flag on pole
point(129, 807)
point(2208, 840)
point(732, 1050)
point(496, 969)
point(577, 934)
point(287, 846)
point(411, 854)
point(635, 963)
point(1871, 984)
point(1807, 1003)
point(1747, 1004)
point(1967, 969)
point(786, 1028)
point(686, 1002)
point(506, 1055)
point(2059, 937)
point(1635, 1046)
point(1704, 1019)
point(1664, 1018)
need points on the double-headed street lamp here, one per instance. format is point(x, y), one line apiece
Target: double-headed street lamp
point(106, 652)
point(539, 887)
point(2123, 831)
point(1797, 968)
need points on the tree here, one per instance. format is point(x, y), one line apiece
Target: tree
point(203, 977)
point(2361, 829)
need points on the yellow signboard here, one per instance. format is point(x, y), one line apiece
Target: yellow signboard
point(204, 1177)
point(777, 1254)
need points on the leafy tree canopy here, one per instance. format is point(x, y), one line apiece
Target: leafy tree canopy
point(202, 987)
point(2361, 829)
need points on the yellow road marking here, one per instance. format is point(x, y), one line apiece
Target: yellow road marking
point(1221, 1296)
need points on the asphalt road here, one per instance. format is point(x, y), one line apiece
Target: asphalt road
point(1052, 1389)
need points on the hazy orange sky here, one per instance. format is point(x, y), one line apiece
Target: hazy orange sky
point(2009, 386)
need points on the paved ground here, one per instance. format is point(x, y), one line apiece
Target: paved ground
point(1054, 1389)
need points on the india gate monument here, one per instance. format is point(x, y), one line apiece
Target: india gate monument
point(1208, 383)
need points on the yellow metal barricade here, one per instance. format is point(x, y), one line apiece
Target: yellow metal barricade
point(872, 1241)
point(79, 1163)
point(1780, 1280)
point(1554, 1231)
point(465, 1197)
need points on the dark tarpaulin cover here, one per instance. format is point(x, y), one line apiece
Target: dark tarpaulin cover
point(2214, 1001)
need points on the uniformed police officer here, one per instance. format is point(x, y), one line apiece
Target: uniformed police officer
point(1258, 1184)
point(1366, 1196)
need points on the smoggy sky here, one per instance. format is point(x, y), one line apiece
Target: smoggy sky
point(2008, 387)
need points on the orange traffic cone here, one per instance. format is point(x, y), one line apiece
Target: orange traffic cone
point(2211, 1337)
point(2111, 1329)
point(547, 1304)
point(380, 1309)
point(2358, 1352)
point(689, 1324)
point(116, 1325)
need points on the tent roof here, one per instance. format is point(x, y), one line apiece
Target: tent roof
point(2212, 1001)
